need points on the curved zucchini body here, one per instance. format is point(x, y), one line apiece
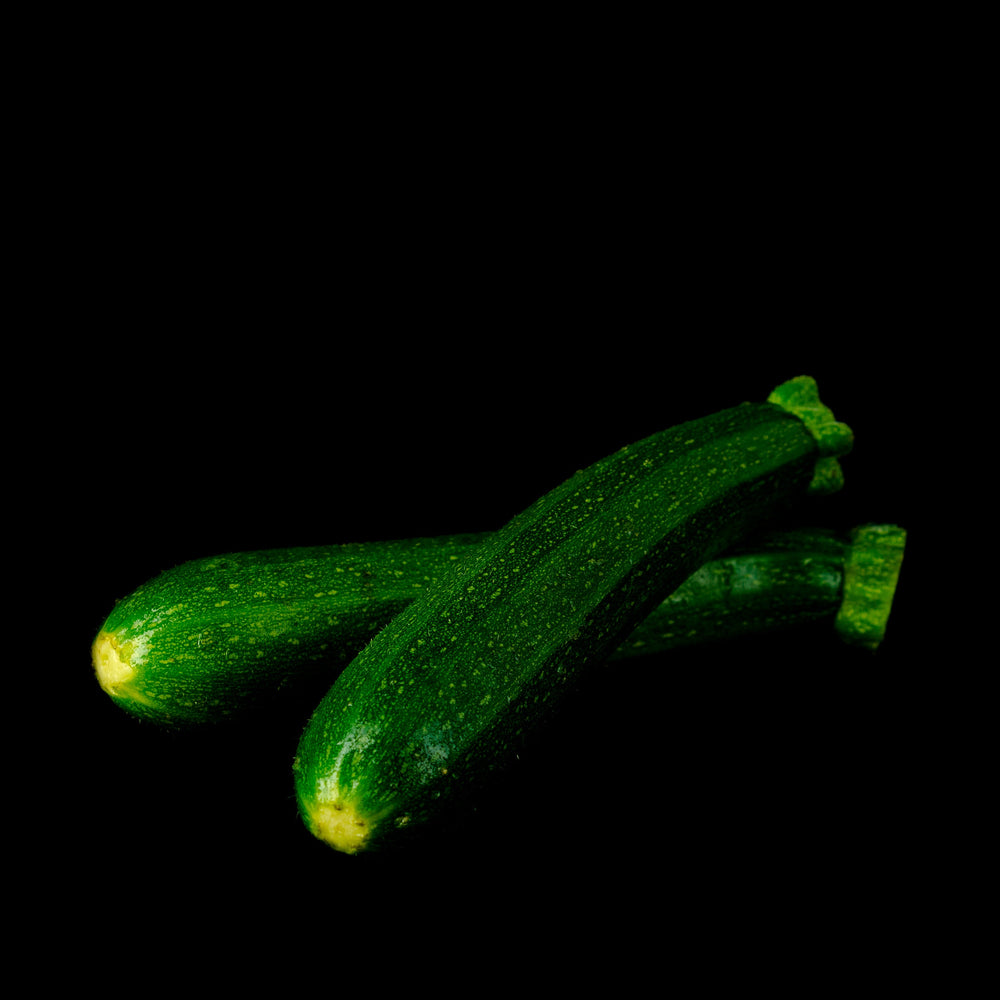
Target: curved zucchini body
point(444, 694)
point(215, 637)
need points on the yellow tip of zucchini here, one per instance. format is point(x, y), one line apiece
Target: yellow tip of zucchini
point(112, 669)
point(339, 825)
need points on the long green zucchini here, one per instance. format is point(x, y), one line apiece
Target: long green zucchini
point(214, 637)
point(443, 695)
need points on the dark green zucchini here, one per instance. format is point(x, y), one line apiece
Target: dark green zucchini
point(781, 580)
point(215, 637)
point(443, 695)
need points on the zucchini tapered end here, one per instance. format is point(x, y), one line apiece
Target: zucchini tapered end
point(112, 668)
point(338, 825)
point(113, 664)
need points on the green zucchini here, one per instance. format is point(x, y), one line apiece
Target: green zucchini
point(780, 580)
point(214, 637)
point(442, 697)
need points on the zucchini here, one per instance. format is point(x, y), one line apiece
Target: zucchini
point(441, 698)
point(215, 637)
point(781, 580)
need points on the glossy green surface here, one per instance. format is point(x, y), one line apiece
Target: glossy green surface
point(443, 694)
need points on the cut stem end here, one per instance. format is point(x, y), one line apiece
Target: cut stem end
point(800, 396)
point(871, 572)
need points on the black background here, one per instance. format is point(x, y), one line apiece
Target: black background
point(423, 347)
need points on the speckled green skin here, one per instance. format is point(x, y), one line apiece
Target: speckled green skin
point(215, 637)
point(443, 694)
point(778, 580)
point(871, 571)
point(222, 635)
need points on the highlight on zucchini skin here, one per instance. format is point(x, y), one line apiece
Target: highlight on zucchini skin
point(442, 696)
point(210, 640)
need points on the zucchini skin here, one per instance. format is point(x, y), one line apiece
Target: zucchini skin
point(443, 696)
point(214, 638)
point(781, 580)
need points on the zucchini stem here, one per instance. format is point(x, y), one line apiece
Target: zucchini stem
point(871, 573)
point(800, 396)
